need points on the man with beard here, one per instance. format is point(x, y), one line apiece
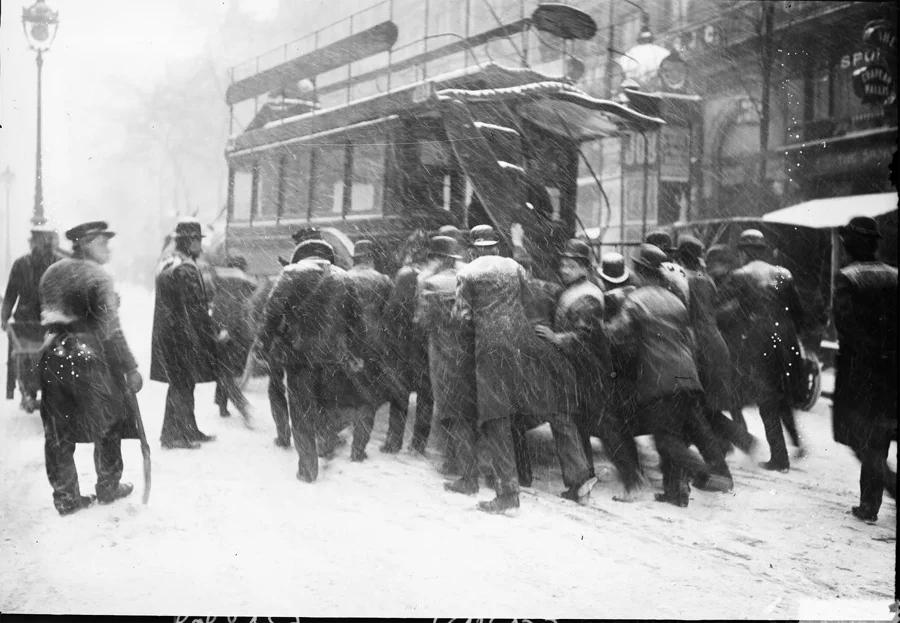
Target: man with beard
point(184, 342)
point(22, 296)
point(86, 369)
point(651, 338)
point(865, 394)
point(450, 362)
point(313, 317)
point(761, 301)
point(407, 358)
point(373, 289)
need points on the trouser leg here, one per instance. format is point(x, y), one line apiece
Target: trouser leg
point(221, 398)
point(621, 448)
point(772, 412)
point(108, 460)
point(233, 393)
point(10, 372)
point(569, 451)
point(396, 423)
point(364, 421)
point(178, 421)
point(424, 414)
point(729, 430)
point(498, 437)
point(305, 413)
point(789, 419)
point(700, 434)
point(520, 451)
point(872, 474)
point(59, 453)
point(668, 418)
point(278, 402)
point(584, 426)
point(465, 431)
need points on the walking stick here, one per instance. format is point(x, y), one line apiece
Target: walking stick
point(145, 447)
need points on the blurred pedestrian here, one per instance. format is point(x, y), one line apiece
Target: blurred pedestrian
point(760, 301)
point(233, 287)
point(185, 340)
point(373, 289)
point(86, 368)
point(312, 317)
point(674, 276)
point(865, 392)
point(21, 303)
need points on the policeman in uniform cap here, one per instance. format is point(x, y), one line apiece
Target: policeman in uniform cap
point(759, 302)
point(22, 296)
point(185, 340)
point(88, 374)
point(865, 393)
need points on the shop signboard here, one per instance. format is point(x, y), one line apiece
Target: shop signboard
point(675, 157)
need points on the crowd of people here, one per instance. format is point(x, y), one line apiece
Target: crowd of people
point(663, 348)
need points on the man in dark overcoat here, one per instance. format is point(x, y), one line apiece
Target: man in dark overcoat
point(88, 374)
point(450, 361)
point(312, 316)
point(651, 337)
point(373, 289)
point(865, 394)
point(761, 302)
point(22, 296)
point(713, 357)
point(578, 317)
point(185, 340)
point(233, 288)
point(407, 359)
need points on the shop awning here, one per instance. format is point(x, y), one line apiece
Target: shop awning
point(834, 212)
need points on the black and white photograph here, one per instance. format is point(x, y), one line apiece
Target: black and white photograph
point(449, 309)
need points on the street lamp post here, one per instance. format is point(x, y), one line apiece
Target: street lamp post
point(7, 178)
point(40, 24)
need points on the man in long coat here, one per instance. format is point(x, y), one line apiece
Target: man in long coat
point(185, 341)
point(88, 374)
point(373, 289)
point(22, 296)
point(865, 392)
point(713, 357)
point(761, 301)
point(312, 316)
point(450, 362)
point(407, 360)
point(651, 335)
point(233, 288)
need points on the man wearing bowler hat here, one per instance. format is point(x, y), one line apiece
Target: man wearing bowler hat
point(22, 296)
point(865, 392)
point(759, 302)
point(617, 282)
point(87, 372)
point(185, 341)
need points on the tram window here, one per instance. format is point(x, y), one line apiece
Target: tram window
point(296, 184)
point(243, 184)
point(368, 176)
point(268, 188)
point(328, 184)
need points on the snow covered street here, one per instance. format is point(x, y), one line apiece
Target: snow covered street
point(230, 530)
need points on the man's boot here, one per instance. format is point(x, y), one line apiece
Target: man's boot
point(581, 493)
point(466, 486)
point(122, 490)
point(80, 503)
point(500, 505)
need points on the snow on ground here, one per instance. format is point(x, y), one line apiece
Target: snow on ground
point(229, 530)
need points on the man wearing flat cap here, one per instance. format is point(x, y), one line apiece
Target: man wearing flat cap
point(23, 297)
point(760, 302)
point(313, 319)
point(864, 411)
point(372, 289)
point(184, 343)
point(88, 374)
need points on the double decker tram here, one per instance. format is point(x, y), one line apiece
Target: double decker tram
point(483, 143)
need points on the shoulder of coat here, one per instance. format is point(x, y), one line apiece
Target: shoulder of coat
point(170, 263)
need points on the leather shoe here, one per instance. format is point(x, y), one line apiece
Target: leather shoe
point(774, 467)
point(680, 500)
point(501, 505)
point(123, 490)
point(82, 502)
point(465, 486)
point(224, 412)
point(282, 443)
point(358, 456)
point(180, 444)
point(390, 448)
point(203, 437)
point(582, 493)
point(864, 513)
